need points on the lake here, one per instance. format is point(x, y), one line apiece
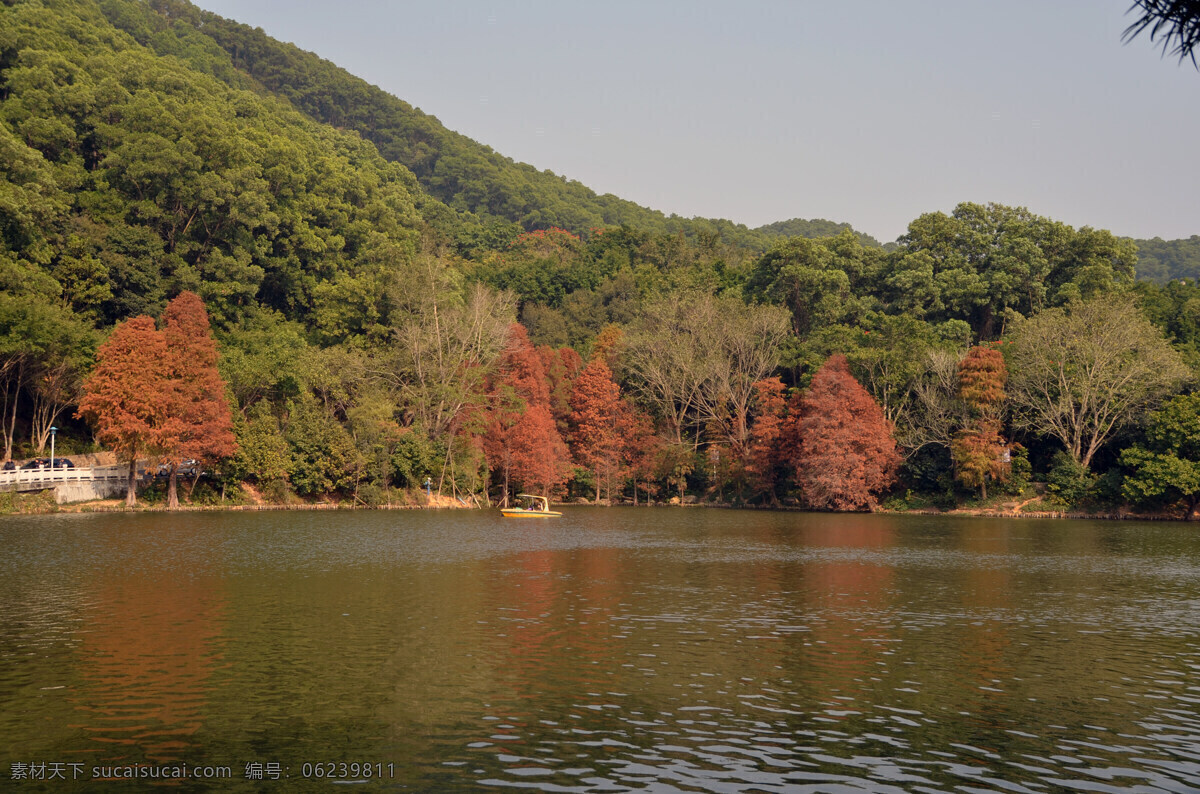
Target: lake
point(613, 649)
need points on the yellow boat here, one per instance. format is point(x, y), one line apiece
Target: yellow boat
point(537, 507)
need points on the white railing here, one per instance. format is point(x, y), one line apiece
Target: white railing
point(33, 479)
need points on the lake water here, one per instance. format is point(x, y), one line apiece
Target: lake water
point(610, 650)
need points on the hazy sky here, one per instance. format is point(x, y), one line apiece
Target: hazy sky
point(870, 112)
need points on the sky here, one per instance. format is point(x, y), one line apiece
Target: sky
point(870, 112)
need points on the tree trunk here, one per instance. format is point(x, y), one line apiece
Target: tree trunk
point(131, 493)
point(173, 488)
point(983, 487)
point(196, 480)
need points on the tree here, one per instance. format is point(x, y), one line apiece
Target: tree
point(128, 395)
point(562, 366)
point(521, 441)
point(643, 448)
point(908, 365)
point(696, 358)
point(1082, 373)
point(44, 352)
point(979, 451)
point(597, 419)
point(323, 457)
point(1167, 466)
point(448, 338)
point(981, 377)
point(1176, 21)
point(765, 455)
point(204, 425)
point(982, 261)
point(846, 455)
point(814, 279)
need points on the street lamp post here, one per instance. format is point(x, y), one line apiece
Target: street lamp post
point(53, 431)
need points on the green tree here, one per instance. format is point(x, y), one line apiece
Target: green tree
point(1166, 468)
point(984, 260)
point(323, 458)
point(1082, 373)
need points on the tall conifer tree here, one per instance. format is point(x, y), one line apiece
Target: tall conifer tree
point(847, 455)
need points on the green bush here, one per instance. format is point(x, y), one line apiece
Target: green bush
point(1067, 481)
point(1019, 473)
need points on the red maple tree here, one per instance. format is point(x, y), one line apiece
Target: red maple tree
point(847, 455)
point(202, 426)
point(597, 423)
point(128, 395)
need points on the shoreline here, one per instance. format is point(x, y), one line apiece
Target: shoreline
point(447, 503)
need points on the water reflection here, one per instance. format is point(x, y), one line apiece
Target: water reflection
point(617, 649)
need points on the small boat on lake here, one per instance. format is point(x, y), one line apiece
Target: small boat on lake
point(534, 507)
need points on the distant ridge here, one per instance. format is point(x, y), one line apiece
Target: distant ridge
point(1168, 260)
point(468, 176)
point(798, 227)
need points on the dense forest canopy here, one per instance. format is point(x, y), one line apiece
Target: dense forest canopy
point(393, 302)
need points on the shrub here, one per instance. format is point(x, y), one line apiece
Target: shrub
point(1069, 481)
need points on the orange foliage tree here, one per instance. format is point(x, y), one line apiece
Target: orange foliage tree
point(521, 442)
point(561, 367)
point(597, 423)
point(766, 455)
point(159, 393)
point(202, 429)
point(127, 396)
point(978, 450)
point(847, 455)
point(643, 449)
point(981, 378)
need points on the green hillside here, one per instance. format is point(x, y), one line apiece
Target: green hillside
point(131, 176)
point(812, 229)
point(1161, 260)
point(466, 175)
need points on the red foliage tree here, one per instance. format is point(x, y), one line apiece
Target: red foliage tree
point(597, 423)
point(979, 449)
point(981, 378)
point(847, 455)
point(561, 367)
point(128, 395)
point(203, 425)
point(521, 442)
point(642, 453)
point(765, 453)
point(978, 453)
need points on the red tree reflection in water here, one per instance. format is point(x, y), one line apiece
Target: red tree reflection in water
point(149, 647)
point(848, 590)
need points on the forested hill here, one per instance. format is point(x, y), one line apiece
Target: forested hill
point(466, 175)
point(126, 177)
point(1161, 260)
point(812, 229)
